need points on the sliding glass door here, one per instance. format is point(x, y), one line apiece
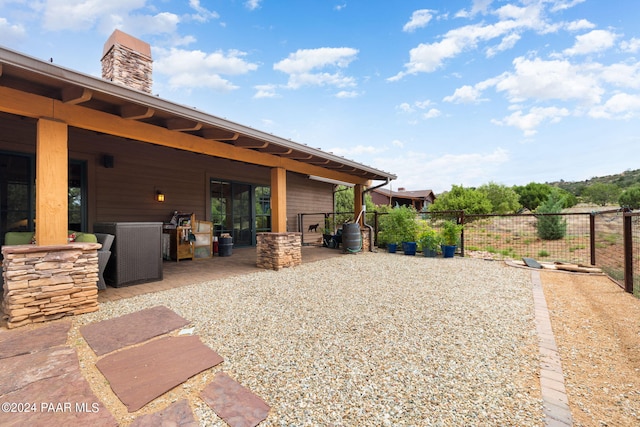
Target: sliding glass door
point(240, 210)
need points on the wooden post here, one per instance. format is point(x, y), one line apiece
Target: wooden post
point(278, 200)
point(52, 183)
point(357, 203)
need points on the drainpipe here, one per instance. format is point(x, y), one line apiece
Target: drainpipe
point(364, 210)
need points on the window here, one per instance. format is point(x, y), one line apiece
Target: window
point(17, 193)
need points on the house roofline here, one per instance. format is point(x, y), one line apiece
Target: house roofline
point(67, 77)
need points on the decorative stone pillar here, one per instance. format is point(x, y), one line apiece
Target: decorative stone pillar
point(278, 250)
point(366, 239)
point(43, 283)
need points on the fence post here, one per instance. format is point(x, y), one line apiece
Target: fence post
point(376, 225)
point(461, 218)
point(628, 254)
point(592, 236)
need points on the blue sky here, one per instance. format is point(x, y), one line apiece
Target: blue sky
point(461, 92)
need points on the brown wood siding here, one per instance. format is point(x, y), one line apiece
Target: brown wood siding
point(126, 191)
point(307, 196)
point(379, 199)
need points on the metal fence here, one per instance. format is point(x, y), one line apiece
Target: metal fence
point(608, 239)
point(632, 252)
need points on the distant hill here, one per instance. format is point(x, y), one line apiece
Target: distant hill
point(623, 180)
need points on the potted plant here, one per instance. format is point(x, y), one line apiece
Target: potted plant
point(399, 226)
point(429, 241)
point(450, 234)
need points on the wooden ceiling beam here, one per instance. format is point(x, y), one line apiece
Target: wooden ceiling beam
point(250, 143)
point(136, 112)
point(297, 156)
point(76, 95)
point(272, 149)
point(182, 125)
point(219, 134)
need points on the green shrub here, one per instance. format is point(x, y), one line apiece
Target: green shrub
point(451, 233)
point(551, 227)
point(399, 225)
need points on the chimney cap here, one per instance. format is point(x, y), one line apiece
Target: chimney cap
point(130, 42)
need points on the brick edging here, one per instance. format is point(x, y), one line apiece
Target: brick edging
point(554, 396)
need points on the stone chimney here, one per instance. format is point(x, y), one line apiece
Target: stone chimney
point(126, 60)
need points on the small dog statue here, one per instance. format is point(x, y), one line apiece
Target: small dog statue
point(314, 227)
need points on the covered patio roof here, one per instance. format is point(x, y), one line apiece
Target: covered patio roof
point(27, 83)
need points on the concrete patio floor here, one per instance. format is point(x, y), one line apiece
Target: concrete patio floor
point(188, 272)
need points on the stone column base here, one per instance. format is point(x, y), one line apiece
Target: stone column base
point(278, 250)
point(44, 283)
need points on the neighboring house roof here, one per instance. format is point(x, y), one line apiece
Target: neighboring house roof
point(403, 194)
point(27, 74)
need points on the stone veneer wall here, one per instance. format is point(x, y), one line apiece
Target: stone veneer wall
point(278, 250)
point(44, 283)
point(366, 239)
point(129, 68)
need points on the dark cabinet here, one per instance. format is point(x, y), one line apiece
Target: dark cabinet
point(136, 253)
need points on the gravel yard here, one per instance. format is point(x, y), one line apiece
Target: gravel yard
point(368, 339)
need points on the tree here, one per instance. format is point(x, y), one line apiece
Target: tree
point(344, 203)
point(533, 194)
point(630, 198)
point(551, 227)
point(469, 200)
point(503, 199)
point(601, 193)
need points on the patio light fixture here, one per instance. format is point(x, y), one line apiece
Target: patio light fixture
point(159, 196)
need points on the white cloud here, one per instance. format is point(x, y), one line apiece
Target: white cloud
point(195, 68)
point(397, 143)
point(11, 33)
point(85, 14)
point(619, 106)
point(419, 19)
point(625, 75)
point(405, 107)
point(591, 42)
point(507, 43)
point(161, 23)
point(428, 57)
point(300, 64)
point(464, 95)
point(347, 94)
point(558, 5)
point(305, 60)
point(203, 14)
point(432, 113)
point(356, 150)
point(530, 121)
point(631, 46)
point(468, 169)
point(479, 6)
point(252, 4)
point(543, 80)
point(580, 25)
point(265, 91)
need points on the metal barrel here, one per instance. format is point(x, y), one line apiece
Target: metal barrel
point(351, 238)
point(225, 246)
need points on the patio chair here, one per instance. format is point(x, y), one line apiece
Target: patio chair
point(106, 240)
